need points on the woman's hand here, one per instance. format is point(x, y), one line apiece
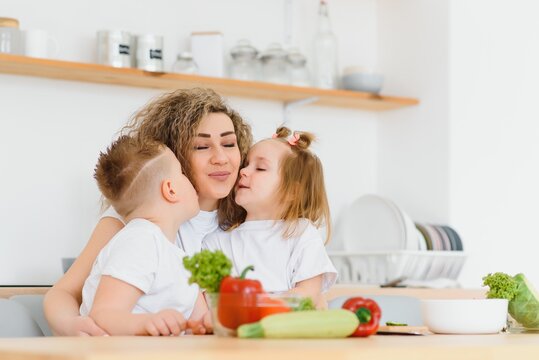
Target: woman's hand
point(85, 326)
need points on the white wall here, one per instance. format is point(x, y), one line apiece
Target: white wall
point(52, 131)
point(494, 135)
point(466, 156)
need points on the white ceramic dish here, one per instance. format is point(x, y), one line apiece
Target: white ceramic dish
point(465, 316)
point(373, 223)
point(368, 82)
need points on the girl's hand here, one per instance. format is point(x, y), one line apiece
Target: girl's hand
point(165, 322)
point(85, 326)
point(202, 326)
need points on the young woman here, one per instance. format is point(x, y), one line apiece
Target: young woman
point(210, 140)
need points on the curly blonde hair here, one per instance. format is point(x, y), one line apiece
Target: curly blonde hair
point(173, 119)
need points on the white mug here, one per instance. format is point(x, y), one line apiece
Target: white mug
point(37, 43)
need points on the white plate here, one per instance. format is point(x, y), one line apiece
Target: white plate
point(373, 223)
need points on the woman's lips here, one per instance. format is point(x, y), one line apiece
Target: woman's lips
point(220, 175)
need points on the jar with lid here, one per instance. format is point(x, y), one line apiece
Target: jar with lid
point(298, 74)
point(10, 36)
point(244, 64)
point(185, 64)
point(274, 64)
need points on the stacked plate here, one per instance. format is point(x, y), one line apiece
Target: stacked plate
point(381, 244)
point(438, 238)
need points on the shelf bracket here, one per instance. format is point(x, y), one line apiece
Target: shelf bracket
point(291, 105)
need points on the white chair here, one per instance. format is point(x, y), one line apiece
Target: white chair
point(16, 320)
point(34, 304)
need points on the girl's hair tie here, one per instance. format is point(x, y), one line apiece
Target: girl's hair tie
point(274, 136)
point(293, 140)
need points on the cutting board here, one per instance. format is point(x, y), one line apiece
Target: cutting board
point(403, 330)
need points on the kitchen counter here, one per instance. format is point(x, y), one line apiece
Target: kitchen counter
point(440, 347)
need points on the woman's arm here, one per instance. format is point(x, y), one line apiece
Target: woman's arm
point(111, 310)
point(62, 302)
point(312, 288)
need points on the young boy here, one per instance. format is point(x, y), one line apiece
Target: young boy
point(138, 285)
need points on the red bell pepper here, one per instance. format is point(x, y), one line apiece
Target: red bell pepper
point(238, 300)
point(367, 311)
point(269, 306)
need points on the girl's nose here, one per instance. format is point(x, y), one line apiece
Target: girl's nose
point(243, 172)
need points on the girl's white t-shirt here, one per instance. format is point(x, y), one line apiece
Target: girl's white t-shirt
point(190, 234)
point(142, 256)
point(279, 263)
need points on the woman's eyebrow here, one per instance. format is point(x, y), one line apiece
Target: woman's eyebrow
point(226, 133)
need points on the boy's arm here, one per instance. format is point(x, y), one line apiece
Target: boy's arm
point(111, 310)
point(312, 288)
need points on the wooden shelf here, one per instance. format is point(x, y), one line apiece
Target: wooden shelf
point(94, 73)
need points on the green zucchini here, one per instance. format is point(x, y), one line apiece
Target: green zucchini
point(334, 323)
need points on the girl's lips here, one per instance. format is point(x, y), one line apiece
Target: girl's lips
point(220, 175)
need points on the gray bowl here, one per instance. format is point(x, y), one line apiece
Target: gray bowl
point(366, 82)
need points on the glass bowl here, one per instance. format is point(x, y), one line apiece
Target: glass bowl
point(515, 327)
point(228, 311)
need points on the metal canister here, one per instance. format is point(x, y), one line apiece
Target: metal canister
point(114, 48)
point(150, 52)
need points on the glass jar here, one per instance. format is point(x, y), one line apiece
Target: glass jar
point(243, 65)
point(274, 65)
point(298, 74)
point(185, 64)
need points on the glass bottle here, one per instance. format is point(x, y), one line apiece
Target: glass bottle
point(325, 51)
point(185, 64)
point(243, 66)
point(274, 64)
point(298, 74)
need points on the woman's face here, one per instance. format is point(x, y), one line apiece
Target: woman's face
point(215, 159)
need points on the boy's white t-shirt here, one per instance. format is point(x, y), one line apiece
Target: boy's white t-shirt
point(279, 263)
point(142, 256)
point(190, 234)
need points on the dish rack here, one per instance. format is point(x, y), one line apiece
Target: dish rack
point(382, 267)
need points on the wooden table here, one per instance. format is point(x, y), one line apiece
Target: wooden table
point(438, 347)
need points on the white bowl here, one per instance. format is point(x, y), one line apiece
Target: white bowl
point(467, 316)
point(368, 82)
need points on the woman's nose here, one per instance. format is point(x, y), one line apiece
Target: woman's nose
point(219, 156)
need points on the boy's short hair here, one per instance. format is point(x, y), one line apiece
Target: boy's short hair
point(122, 172)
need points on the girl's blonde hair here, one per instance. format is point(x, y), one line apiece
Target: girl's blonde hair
point(173, 119)
point(302, 189)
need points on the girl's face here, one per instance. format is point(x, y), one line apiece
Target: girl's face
point(215, 159)
point(258, 187)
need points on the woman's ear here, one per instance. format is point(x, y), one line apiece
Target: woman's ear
point(169, 191)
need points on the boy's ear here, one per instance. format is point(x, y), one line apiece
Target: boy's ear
point(169, 191)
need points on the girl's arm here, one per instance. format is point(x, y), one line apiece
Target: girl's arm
point(312, 288)
point(111, 310)
point(200, 320)
point(62, 301)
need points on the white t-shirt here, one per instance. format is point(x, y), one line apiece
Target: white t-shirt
point(142, 256)
point(279, 263)
point(190, 234)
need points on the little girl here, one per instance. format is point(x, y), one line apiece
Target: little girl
point(282, 190)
